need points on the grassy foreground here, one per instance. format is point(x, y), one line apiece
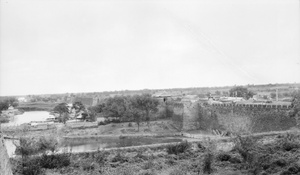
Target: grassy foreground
point(279, 154)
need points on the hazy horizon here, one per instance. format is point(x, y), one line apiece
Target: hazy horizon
point(50, 47)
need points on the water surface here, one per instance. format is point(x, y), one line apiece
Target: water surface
point(27, 117)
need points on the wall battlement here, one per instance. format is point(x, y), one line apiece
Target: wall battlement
point(262, 117)
point(273, 106)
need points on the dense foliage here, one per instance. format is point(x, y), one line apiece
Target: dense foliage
point(63, 111)
point(241, 91)
point(6, 102)
point(136, 108)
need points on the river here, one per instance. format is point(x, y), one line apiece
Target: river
point(27, 117)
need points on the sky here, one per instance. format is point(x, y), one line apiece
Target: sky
point(60, 46)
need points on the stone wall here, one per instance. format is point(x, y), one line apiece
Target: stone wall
point(176, 110)
point(242, 118)
point(5, 168)
point(259, 118)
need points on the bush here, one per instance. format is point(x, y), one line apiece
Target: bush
point(100, 157)
point(29, 166)
point(178, 171)
point(201, 147)
point(294, 169)
point(27, 147)
point(88, 166)
point(207, 163)
point(54, 161)
point(245, 147)
point(119, 158)
point(129, 124)
point(223, 157)
point(101, 123)
point(289, 142)
point(178, 148)
point(49, 143)
point(4, 120)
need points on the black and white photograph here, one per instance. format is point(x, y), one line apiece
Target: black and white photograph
point(149, 87)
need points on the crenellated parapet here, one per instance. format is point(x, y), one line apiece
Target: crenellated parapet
point(272, 106)
point(190, 115)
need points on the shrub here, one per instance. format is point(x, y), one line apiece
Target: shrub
point(54, 161)
point(223, 157)
point(101, 123)
point(88, 166)
point(178, 171)
point(129, 124)
point(148, 165)
point(234, 160)
point(294, 169)
point(31, 166)
point(119, 158)
point(178, 148)
point(4, 120)
point(100, 157)
point(49, 143)
point(148, 172)
point(27, 147)
point(280, 162)
point(289, 141)
point(201, 147)
point(207, 163)
point(245, 147)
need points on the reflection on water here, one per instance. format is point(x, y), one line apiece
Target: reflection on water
point(27, 117)
point(93, 144)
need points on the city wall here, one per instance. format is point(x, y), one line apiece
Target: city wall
point(238, 118)
point(5, 168)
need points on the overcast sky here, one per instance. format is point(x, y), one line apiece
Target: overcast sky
point(58, 46)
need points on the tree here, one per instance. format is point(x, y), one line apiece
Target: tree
point(218, 93)
point(3, 106)
point(6, 102)
point(273, 95)
point(135, 114)
point(79, 107)
point(97, 109)
point(146, 104)
point(63, 111)
point(116, 107)
point(241, 91)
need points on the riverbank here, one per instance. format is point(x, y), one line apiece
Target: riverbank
point(276, 154)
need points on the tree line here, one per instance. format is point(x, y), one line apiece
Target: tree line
point(136, 108)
